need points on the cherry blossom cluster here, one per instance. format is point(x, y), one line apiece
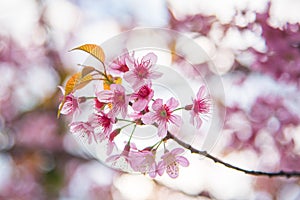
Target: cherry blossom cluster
point(136, 106)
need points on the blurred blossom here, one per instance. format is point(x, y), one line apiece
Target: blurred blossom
point(254, 44)
point(281, 60)
point(89, 181)
point(39, 130)
point(23, 179)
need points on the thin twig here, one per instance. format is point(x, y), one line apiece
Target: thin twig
point(217, 160)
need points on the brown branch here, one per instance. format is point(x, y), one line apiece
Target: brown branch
point(217, 160)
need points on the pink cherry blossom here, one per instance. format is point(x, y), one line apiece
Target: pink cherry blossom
point(142, 72)
point(200, 107)
point(119, 65)
point(85, 129)
point(162, 115)
point(142, 97)
point(171, 161)
point(70, 105)
point(117, 97)
point(123, 155)
point(103, 121)
point(144, 162)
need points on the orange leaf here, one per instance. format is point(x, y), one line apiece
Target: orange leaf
point(92, 49)
point(86, 70)
point(83, 82)
point(61, 106)
point(72, 82)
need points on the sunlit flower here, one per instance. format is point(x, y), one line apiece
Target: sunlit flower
point(142, 72)
point(118, 99)
point(142, 97)
point(104, 122)
point(144, 162)
point(171, 161)
point(121, 160)
point(84, 129)
point(119, 65)
point(200, 107)
point(162, 115)
point(69, 105)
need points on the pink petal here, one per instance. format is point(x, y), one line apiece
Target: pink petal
point(176, 119)
point(172, 103)
point(140, 104)
point(117, 87)
point(155, 75)
point(129, 77)
point(167, 154)
point(172, 171)
point(152, 170)
point(112, 158)
point(114, 66)
point(198, 121)
point(152, 174)
point(124, 111)
point(192, 117)
point(160, 168)
point(162, 129)
point(130, 63)
point(104, 96)
point(148, 118)
point(110, 147)
point(66, 109)
point(201, 92)
point(157, 104)
point(182, 161)
point(177, 151)
point(150, 56)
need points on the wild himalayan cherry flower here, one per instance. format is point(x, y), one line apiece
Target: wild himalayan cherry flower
point(162, 115)
point(144, 162)
point(103, 121)
point(70, 105)
point(121, 160)
point(142, 97)
point(119, 65)
point(84, 129)
point(117, 97)
point(142, 72)
point(200, 106)
point(171, 161)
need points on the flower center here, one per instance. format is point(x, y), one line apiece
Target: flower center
point(123, 68)
point(144, 91)
point(201, 106)
point(164, 112)
point(141, 72)
point(104, 121)
point(119, 98)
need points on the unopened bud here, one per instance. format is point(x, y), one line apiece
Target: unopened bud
point(81, 99)
point(188, 107)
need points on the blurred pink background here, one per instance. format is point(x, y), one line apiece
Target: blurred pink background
point(255, 46)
